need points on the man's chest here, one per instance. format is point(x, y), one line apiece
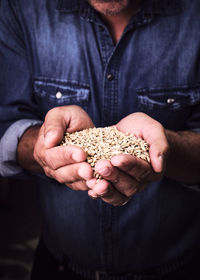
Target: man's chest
point(149, 71)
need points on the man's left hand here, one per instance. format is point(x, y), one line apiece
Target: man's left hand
point(125, 175)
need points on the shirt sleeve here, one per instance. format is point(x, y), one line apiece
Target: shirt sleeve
point(16, 72)
point(8, 146)
point(18, 109)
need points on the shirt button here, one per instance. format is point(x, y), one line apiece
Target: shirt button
point(170, 100)
point(110, 77)
point(58, 95)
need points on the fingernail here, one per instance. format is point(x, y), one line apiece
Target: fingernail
point(103, 193)
point(90, 183)
point(158, 165)
point(83, 173)
point(160, 157)
point(94, 197)
point(105, 171)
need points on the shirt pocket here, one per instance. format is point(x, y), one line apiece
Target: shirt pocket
point(50, 93)
point(173, 107)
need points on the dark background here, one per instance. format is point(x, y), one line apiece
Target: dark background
point(20, 227)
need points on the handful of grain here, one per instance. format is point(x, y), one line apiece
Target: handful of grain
point(106, 142)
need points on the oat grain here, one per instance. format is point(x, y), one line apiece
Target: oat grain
point(106, 142)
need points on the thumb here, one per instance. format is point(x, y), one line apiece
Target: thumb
point(59, 119)
point(54, 127)
point(158, 153)
point(157, 160)
point(52, 138)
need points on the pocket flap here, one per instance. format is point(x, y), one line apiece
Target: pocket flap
point(172, 98)
point(61, 91)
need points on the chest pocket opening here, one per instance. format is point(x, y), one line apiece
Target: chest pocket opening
point(168, 98)
point(53, 92)
point(172, 107)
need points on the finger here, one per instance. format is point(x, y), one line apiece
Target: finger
point(38, 152)
point(70, 173)
point(78, 186)
point(91, 183)
point(59, 119)
point(107, 193)
point(133, 166)
point(158, 147)
point(79, 119)
point(54, 127)
point(141, 125)
point(92, 194)
point(158, 156)
point(60, 156)
point(122, 182)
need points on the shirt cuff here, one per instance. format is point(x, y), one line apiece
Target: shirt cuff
point(8, 146)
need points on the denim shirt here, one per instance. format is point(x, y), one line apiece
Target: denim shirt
point(55, 53)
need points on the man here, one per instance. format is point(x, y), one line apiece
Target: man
point(134, 64)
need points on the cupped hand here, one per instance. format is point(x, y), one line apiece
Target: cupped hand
point(65, 164)
point(125, 175)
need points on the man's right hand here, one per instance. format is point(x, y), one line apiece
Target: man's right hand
point(65, 164)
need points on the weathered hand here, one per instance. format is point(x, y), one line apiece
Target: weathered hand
point(125, 175)
point(66, 164)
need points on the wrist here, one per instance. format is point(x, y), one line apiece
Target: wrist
point(25, 150)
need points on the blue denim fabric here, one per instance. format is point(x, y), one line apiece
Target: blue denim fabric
point(48, 47)
point(8, 146)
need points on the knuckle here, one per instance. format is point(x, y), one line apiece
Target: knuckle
point(67, 152)
point(143, 177)
point(48, 172)
point(55, 175)
point(130, 191)
point(50, 112)
point(67, 179)
point(37, 157)
point(50, 161)
point(70, 186)
point(59, 175)
point(62, 177)
point(45, 158)
point(73, 186)
point(114, 177)
point(59, 178)
point(79, 186)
